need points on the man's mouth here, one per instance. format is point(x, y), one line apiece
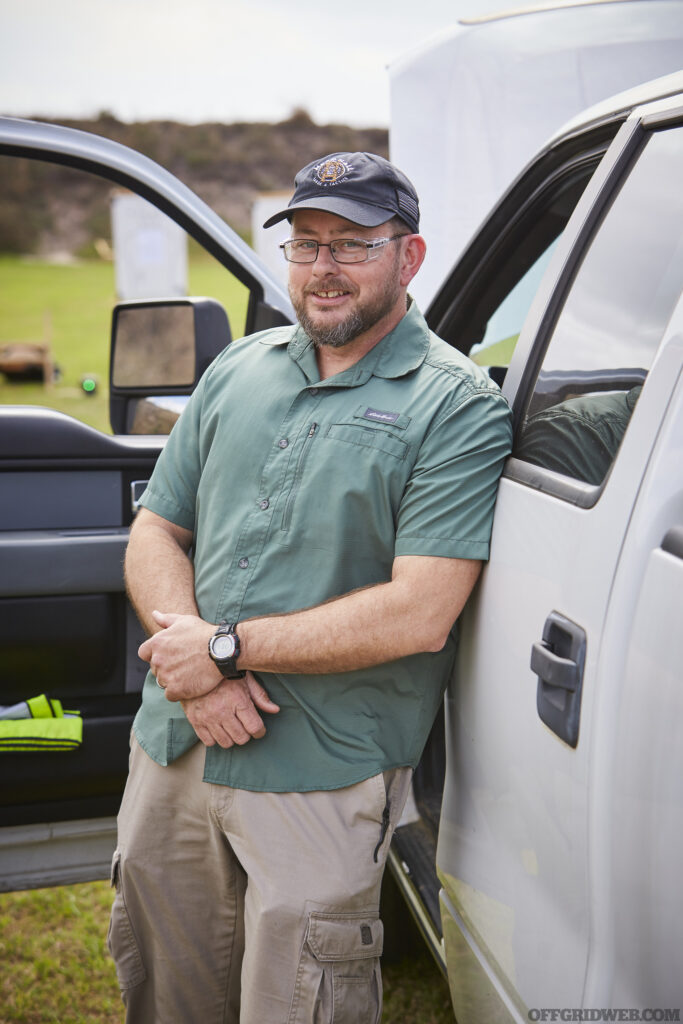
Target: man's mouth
point(331, 293)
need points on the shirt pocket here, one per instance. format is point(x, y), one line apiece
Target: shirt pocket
point(369, 437)
point(348, 477)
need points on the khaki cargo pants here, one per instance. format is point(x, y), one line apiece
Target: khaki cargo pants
point(257, 908)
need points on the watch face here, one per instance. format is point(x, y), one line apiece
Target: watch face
point(223, 646)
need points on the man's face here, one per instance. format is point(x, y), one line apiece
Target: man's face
point(337, 302)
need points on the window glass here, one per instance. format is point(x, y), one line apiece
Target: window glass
point(612, 321)
point(505, 323)
point(486, 320)
point(71, 245)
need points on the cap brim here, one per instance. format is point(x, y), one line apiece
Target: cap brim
point(357, 213)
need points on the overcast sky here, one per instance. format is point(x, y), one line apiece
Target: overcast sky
point(213, 60)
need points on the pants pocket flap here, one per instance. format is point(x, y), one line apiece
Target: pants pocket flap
point(344, 936)
point(114, 874)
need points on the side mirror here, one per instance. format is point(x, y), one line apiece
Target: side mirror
point(159, 350)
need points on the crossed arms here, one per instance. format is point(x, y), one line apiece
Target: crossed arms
point(411, 613)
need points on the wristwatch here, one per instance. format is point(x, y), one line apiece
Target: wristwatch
point(224, 649)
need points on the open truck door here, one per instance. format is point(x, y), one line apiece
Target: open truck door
point(68, 494)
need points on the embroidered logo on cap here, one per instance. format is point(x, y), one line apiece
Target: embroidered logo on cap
point(331, 171)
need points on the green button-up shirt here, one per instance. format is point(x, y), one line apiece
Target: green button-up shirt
point(298, 490)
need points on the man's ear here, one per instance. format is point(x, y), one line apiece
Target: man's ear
point(413, 253)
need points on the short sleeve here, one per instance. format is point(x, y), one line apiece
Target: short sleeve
point(447, 506)
point(172, 488)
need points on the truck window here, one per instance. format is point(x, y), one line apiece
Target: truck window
point(505, 323)
point(612, 322)
point(71, 245)
point(482, 307)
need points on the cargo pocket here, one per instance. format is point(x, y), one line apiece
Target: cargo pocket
point(339, 979)
point(121, 941)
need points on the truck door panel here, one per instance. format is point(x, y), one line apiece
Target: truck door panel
point(65, 625)
point(67, 489)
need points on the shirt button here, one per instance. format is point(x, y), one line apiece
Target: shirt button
point(283, 442)
point(313, 391)
point(264, 504)
point(243, 563)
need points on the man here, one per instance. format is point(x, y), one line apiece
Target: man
point(308, 538)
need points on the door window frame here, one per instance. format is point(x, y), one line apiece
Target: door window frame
point(555, 289)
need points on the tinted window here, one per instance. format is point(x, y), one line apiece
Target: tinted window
point(506, 321)
point(483, 305)
point(612, 322)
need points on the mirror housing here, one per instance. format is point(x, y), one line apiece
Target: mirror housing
point(159, 350)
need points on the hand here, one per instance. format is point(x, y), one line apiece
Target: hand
point(179, 655)
point(228, 714)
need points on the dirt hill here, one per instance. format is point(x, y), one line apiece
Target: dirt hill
point(44, 208)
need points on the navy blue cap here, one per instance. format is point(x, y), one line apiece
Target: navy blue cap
point(361, 187)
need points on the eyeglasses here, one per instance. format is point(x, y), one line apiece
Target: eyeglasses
point(343, 250)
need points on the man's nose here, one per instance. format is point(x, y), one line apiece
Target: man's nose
point(325, 262)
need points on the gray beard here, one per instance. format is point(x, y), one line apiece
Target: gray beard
point(357, 322)
point(333, 337)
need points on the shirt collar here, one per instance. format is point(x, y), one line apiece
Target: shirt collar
point(404, 349)
point(400, 352)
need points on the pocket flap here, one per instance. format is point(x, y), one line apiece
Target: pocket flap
point(114, 875)
point(368, 437)
point(345, 936)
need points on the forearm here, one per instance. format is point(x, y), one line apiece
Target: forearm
point(413, 612)
point(360, 629)
point(367, 627)
point(158, 571)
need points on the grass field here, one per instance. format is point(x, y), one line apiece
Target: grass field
point(70, 306)
point(54, 965)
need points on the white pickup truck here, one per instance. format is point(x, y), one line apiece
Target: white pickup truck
point(550, 797)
